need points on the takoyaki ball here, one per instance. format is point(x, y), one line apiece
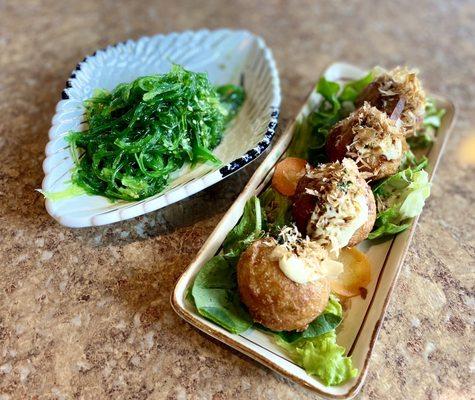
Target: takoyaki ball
point(334, 205)
point(399, 94)
point(371, 139)
point(273, 299)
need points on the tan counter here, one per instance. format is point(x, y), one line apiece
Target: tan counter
point(85, 314)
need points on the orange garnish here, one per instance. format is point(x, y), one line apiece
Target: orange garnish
point(287, 175)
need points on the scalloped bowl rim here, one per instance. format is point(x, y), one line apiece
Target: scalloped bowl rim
point(160, 200)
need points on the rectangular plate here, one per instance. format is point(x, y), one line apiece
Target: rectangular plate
point(363, 318)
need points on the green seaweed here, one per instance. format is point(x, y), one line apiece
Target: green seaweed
point(141, 132)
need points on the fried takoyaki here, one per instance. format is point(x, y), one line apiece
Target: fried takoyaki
point(399, 94)
point(334, 205)
point(281, 289)
point(371, 139)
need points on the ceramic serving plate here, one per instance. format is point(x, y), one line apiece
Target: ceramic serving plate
point(363, 318)
point(228, 56)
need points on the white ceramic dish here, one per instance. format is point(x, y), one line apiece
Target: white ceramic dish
point(227, 56)
point(363, 320)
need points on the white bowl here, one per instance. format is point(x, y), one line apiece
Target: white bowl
point(228, 56)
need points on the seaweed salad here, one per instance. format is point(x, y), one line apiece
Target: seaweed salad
point(139, 134)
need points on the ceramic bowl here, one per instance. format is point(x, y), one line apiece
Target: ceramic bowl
point(364, 317)
point(228, 56)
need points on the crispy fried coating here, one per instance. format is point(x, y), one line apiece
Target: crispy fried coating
point(316, 192)
point(399, 94)
point(371, 139)
point(272, 299)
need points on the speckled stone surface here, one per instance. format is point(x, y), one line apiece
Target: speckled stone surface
point(85, 314)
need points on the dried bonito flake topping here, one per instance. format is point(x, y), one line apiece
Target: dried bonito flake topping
point(376, 139)
point(291, 241)
point(303, 260)
point(392, 89)
point(341, 206)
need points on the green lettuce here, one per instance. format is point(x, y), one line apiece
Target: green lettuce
point(311, 133)
point(216, 298)
point(325, 322)
point(322, 357)
point(409, 160)
point(249, 229)
point(334, 307)
point(425, 136)
point(400, 198)
point(214, 290)
point(277, 210)
point(316, 350)
point(354, 88)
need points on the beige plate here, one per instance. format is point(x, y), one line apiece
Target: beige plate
point(364, 317)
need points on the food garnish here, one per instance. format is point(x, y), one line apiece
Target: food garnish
point(400, 198)
point(311, 133)
point(277, 210)
point(399, 89)
point(322, 357)
point(287, 175)
point(332, 204)
point(301, 259)
point(425, 136)
point(371, 138)
point(215, 296)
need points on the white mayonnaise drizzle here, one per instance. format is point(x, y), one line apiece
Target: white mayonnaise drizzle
point(305, 269)
point(390, 150)
point(344, 233)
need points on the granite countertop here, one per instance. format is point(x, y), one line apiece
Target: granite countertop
point(85, 314)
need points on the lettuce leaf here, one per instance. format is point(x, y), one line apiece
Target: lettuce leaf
point(316, 350)
point(325, 322)
point(334, 307)
point(249, 229)
point(214, 290)
point(321, 357)
point(400, 198)
point(311, 133)
point(276, 208)
point(425, 136)
point(216, 298)
point(353, 89)
point(409, 160)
